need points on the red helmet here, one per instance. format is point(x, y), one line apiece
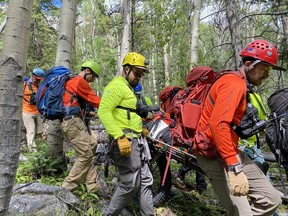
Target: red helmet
point(263, 51)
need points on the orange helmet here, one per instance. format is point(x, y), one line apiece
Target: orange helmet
point(264, 51)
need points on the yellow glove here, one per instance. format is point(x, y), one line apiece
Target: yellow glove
point(145, 131)
point(238, 183)
point(124, 146)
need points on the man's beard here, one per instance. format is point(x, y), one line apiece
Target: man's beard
point(133, 83)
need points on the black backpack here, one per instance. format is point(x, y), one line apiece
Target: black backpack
point(277, 126)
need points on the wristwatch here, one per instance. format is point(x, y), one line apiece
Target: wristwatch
point(236, 168)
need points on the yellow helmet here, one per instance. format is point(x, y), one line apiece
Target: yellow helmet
point(92, 65)
point(136, 60)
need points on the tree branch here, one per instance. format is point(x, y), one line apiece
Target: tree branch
point(263, 14)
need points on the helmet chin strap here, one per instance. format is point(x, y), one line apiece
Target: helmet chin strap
point(247, 69)
point(127, 74)
point(253, 64)
point(85, 75)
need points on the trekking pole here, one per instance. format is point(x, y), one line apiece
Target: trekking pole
point(172, 147)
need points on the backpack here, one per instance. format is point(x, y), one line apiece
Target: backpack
point(187, 103)
point(277, 126)
point(167, 97)
point(49, 97)
point(32, 100)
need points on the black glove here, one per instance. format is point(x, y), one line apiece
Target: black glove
point(143, 110)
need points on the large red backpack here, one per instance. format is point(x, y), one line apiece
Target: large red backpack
point(167, 98)
point(188, 102)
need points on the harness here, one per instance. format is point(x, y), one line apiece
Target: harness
point(128, 111)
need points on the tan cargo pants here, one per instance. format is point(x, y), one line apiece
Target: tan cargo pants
point(33, 125)
point(262, 198)
point(83, 144)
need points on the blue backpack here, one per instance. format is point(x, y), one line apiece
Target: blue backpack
point(49, 97)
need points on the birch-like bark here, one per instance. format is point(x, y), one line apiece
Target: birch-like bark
point(153, 76)
point(65, 51)
point(12, 67)
point(66, 36)
point(232, 17)
point(195, 33)
point(126, 30)
point(166, 64)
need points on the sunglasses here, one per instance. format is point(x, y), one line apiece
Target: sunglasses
point(93, 74)
point(137, 73)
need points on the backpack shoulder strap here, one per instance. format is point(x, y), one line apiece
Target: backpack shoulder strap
point(126, 108)
point(143, 100)
point(72, 96)
point(25, 86)
point(30, 87)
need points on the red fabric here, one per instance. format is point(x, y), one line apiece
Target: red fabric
point(229, 96)
point(79, 87)
point(167, 99)
point(197, 73)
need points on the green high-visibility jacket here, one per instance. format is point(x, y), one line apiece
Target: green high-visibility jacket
point(119, 93)
point(258, 104)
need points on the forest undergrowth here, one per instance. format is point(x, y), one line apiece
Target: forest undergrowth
point(37, 167)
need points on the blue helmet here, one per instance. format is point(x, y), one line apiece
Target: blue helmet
point(26, 79)
point(138, 88)
point(38, 72)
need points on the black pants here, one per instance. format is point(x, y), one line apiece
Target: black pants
point(201, 183)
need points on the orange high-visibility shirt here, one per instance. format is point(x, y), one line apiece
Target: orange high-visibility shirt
point(79, 87)
point(229, 96)
point(26, 107)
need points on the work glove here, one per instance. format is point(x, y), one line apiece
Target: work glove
point(124, 146)
point(92, 114)
point(238, 183)
point(145, 131)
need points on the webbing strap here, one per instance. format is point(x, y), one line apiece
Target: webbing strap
point(72, 96)
point(128, 110)
point(30, 89)
point(167, 165)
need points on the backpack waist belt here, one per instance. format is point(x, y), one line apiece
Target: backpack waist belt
point(69, 117)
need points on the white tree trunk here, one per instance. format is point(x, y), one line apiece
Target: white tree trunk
point(65, 51)
point(126, 30)
point(195, 33)
point(12, 66)
point(166, 64)
point(65, 46)
point(153, 76)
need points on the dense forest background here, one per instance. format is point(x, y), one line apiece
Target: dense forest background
point(162, 32)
